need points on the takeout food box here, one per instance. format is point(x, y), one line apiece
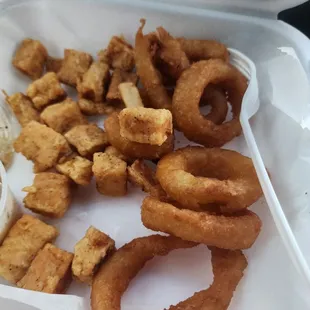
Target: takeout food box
point(277, 135)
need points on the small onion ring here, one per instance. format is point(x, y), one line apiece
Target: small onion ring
point(231, 232)
point(135, 149)
point(186, 98)
point(196, 176)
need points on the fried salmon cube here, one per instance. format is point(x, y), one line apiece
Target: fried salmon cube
point(111, 150)
point(74, 65)
point(77, 168)
point(89, 253)
point(111, 174)
point(49, 272)
point(119, 76)
point(53, 64)
point(144, 125)
point(46, 90)
point(87, 139)
point(30, 58)
point(49, 194)
point(22, 243)
point(23, 108)
point(89, 107)
point(94, 82)
point(119, 54)
point(42, 145)
point(130, 95)
point(63, 116)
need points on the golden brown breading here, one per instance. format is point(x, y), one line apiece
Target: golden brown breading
point(111, 174)
point(145, 125)
point(119, 76)
point(23, 108)
point(87, 139)
point(49, 195)
point(130, 95)
point(111, 150)
point(89, 253)
point(42, 145)
point(76, 168)
point(119, 54)
point(53, 64)
point(21, 245)
point(74, 65)
point(63, 116)
point(89, 107)
point(94, 82)
point(46, 90)
point(50, 271)
point(30, 58)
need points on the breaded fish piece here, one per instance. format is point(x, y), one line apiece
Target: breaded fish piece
point(89, 253)
point(42, 145)
point(49, 272)
point(21, 245)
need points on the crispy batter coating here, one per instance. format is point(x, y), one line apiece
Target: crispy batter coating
point(89, 253)
point(46, 90)
point(89, 107)
point(87, 139)
point(77, 168)
point(203, 49)
point(49, 195)
point(114, 276)
point(63, 116)
point(50, 271)
point(232, 232)
point(74, 65)
point(30, 58)
point(119, 76)
point(53, 64)
point(42, 145)
point(23, 108)
point(145, 125)
point(94, 82)
point(228, 267)
point(23, 241)
point(111, 150)
point(148, 74)
point(142, 175)
point(186, 98)
point(209, 176)
point(111, 174)
point(135, 149)
point(119, 54)
point(130, 95)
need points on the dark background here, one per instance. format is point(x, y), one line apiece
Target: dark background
point(298, 17)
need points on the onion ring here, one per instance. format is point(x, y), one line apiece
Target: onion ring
point(232, 232)
point(228, 268)
point(115, 274)
point(203, 49)
point(147, 73)
point(135, 149)
point(196, 176)
point(185, 103)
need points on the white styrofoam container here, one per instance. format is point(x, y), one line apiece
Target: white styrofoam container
point(276, 137)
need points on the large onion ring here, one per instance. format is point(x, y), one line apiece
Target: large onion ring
point(135, 149)
point(115, 274)
point(196, 176)
point(231, 232)
point(186, 98)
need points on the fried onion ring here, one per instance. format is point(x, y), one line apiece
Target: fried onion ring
point(135, 149)
point(147, 73)
point(196, 176)
point(115, 274)
point(203, 49)
point(228, 267)
point(232, 232)
point(186, 97)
